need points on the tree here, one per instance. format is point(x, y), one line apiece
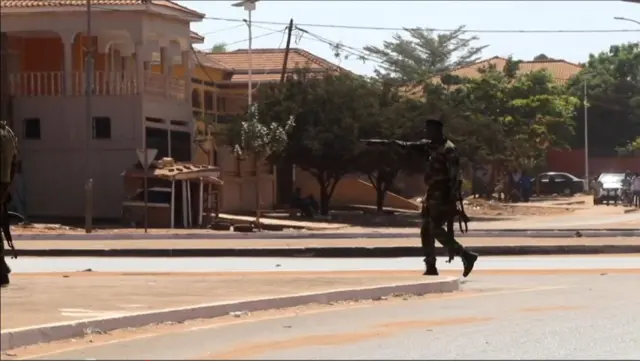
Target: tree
point(330, 112)
point(502, 117)
point(397, 118)
point(633, 148)
point(219, 48)
point(248, 135)
point(424, 54)
point(613, 97)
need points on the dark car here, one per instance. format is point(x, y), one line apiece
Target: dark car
point(558, 183)
point(610, 189)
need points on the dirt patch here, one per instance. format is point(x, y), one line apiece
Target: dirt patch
point(492, 208)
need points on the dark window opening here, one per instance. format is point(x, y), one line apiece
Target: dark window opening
point(208, 101)
point(222, 104)
point(195, 99)
point(180, 123)
point(154, 120)
point(158, 139)
point(181, 146)
point(215, 158)
point(32, 128)
point(101, 128)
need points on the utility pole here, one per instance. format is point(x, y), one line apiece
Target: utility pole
point(284, 186)
point(286, 51)
point(88, 94)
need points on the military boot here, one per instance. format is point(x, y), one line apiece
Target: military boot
point(468, 260)
point(4, 279)
point(431, 270)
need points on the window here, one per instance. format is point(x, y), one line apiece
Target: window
point(101, 128)
point(222, 104)
point(32, 128)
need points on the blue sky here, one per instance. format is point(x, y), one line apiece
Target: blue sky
point(481, 15)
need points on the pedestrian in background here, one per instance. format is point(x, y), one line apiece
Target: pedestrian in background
point(635, 187)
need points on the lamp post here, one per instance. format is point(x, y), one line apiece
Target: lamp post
point(627, 19)
point(249, 6)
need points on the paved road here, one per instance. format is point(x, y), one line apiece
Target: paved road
point(496, 317)
point(62, 264)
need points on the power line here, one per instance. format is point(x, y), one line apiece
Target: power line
point(384, 28)
point(479, 31)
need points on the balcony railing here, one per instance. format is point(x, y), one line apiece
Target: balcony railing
point(155, 85)
point(37, 84)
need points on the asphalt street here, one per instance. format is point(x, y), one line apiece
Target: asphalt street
point(114, 264)
point(578, 316)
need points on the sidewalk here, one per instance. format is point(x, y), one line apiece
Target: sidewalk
point(81, 295)
point(47, 307)
point(341, 248)
point(409, 241)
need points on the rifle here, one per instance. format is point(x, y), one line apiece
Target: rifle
point(6, 230)
point(462, 217)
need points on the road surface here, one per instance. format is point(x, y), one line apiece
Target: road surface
point(578, 316)
point(114, 264)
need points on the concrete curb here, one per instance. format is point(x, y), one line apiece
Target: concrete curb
point(52, 332)
point(333, 252)
point(212, 235)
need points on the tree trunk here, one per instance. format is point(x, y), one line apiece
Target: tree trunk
point(324, 199)
point(327, 187)
point(256, 164)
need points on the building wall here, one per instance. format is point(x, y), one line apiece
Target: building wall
point(54, 166)
point(351, 190)
point(572, 161)
point(46, 54)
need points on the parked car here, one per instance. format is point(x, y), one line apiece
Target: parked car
point(611, 188)
point(558, 183)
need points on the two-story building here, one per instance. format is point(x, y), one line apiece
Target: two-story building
point(66, 136)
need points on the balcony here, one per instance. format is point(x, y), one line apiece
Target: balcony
point(42, 84)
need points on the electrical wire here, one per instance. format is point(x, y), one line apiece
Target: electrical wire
point(384, 28)
point(478, 31)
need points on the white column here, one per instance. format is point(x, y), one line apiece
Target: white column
point(165, 63)
point(68, 66)
point(140, 67)
point(188, 74)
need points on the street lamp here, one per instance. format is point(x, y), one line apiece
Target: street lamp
point(627, 19)
point(249, 6)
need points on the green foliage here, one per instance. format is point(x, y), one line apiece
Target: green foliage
point(247, 134)
point(423, 54)
point(396, 118)
point(329, 112)
point(219, 48)
point(613, 90)
point(503, 117)
point(632, 148)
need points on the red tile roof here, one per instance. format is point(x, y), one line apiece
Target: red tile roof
point(266, 64)
point(561, 70)
point(24, 4)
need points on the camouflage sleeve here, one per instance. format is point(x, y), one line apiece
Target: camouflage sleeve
point(453, 168)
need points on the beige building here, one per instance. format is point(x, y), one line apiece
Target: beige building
point(131, 105)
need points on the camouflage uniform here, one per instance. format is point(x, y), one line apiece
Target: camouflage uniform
point(442, 178)
point(8, 152)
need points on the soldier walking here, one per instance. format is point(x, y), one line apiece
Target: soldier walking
point(442, 178)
